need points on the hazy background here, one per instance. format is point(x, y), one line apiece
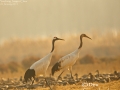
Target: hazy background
point(26, 31)
point(39, 18)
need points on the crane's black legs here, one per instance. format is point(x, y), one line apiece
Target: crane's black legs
point(71, 74)
point(60, 75)
point(70, 68)
point(48, 84)
point(33, 80)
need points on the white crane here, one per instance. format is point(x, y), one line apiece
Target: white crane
point(69, 60)
point(40, 66)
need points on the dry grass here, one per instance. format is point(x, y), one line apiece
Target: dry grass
point(17, 49)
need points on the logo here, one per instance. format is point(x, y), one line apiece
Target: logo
point(89, 84)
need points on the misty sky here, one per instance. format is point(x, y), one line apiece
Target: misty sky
point(37, 18)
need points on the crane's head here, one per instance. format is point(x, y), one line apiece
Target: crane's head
point(115, 72)
point(97, 71)
point(56, 38)
point(84, 35)
point(90, 74)
point(53, 41)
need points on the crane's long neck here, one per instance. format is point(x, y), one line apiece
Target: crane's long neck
point(98, 73)
point(52, 46)
point(81, 43)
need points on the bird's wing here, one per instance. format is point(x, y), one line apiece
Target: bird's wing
point(69, 59)
point(56, 67)
point(41, 65)
point(64, 62)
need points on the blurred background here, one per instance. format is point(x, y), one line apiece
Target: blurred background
point(27, 29)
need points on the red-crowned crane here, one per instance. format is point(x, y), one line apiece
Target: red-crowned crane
point(40, 66)
point(69, 60)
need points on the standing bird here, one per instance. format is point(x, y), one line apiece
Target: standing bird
point(40, 66)
point(69, 60)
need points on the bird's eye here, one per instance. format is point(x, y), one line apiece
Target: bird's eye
point(55, 37)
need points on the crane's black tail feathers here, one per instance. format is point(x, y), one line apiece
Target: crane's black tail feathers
point(29, 74)
point(56, 68)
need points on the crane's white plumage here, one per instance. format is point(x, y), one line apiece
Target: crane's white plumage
point(40, 66)
point(69, 60)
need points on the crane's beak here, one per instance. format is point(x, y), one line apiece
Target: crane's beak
point(60, 39)
point(88, 37)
